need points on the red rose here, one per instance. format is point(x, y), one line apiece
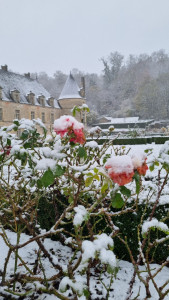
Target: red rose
point(69, 125)
point(121, 178)
point(6, 150)
point(143, 169)
point(139, 163)
point(120, 169)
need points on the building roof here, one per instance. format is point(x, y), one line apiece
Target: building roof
point(70, 89)
point(120, 120)
point(11, 81)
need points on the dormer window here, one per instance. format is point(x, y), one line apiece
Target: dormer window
point(41, 100)
point(31, 98)
point(51, 101)
point(15, 95)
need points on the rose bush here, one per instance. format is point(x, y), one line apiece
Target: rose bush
point(91, 186)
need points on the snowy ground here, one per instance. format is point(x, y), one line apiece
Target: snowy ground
point(119, 287)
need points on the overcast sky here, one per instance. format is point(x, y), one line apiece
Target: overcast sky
point(50, 35)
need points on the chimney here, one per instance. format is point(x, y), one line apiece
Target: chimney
point(4, 68)
point(82, 90)
point(27, 75)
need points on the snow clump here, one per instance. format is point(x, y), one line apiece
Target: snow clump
point(92, 144)
point(99, 247)
point(65, 122)
point(138, 159)
point(80, 215)
point(120, 164)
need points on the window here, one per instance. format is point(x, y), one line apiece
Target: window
point(52, 118)
point(1, 114)
point(32, 115)
point(17, 114)
point(43, 117)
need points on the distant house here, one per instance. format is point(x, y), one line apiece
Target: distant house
point(118, 120)
point(24, 97)
point(121, 124)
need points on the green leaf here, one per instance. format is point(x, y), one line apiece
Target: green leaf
point(24, 135)
point(24, 159)
point(156, 163)
point(47, 179)
point(89, 174)
point(110, 270)
point(27, 145)
point(96, 170)
point(151, 168)
point(88, 181)
point(16, 122)
point(148, 150)
point(8, 142)
point(125, 191)
point(136, 177)
point(70, 199)
point(86, 109)
point(72, 144)
point(86, 293)
point(75, 109)
point(104, 188)
point(105, 158)
point(59, 171)
point(96, 177)
point(166, 166)
point(39, 183)
point(82, 152)
point(117, 201)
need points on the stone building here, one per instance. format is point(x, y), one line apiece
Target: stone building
point(71, 95)
point(24, 97)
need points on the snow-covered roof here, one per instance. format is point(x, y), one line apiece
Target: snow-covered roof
point(122, 120)
point(70, 89)
point(11, 81)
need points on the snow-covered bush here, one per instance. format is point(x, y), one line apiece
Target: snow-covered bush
point(90, 187)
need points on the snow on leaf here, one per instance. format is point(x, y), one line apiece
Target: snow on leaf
point(154, 223)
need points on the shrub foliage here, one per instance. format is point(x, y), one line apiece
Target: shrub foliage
point(93, 199)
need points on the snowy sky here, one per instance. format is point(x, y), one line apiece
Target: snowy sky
point(50, 35)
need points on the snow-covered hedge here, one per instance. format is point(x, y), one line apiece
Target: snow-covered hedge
point(92, 189)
